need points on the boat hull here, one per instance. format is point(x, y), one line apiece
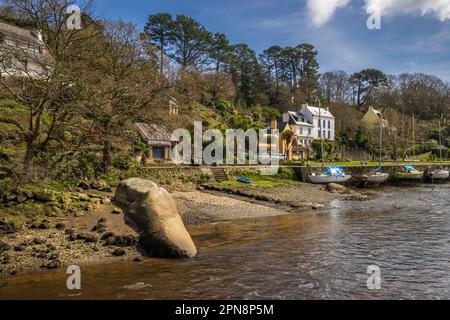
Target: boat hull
point(326, 179)
point(413, 176)
point(439, 175)
point(375, 178)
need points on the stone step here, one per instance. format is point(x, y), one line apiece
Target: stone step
point(219, 174)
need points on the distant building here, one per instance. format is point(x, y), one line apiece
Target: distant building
point(158, 139)
point(22, 52)
point(373, 118)
point(311, 123)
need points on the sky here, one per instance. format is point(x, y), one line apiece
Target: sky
point(414, 34)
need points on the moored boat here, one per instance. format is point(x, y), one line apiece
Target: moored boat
point(410, 173)
point(376, 177)
point(330, 175)
point(439, 174)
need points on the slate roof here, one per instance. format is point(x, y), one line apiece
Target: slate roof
point(154, 134)
point(18, 33)
point(323, 112)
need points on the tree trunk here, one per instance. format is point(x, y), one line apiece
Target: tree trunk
point(29, 155)
point(106, 156)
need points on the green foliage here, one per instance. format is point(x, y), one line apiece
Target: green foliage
point(328, 148)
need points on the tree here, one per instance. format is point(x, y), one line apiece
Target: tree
point(365, 82)
point(190, 42)
point(122, 88)
point(335, 87)
point(289, 141)
point(50, 91)
point(220, 51)
point(245, 72)
point(271, 64)
point(308, 69)
point(159, 30)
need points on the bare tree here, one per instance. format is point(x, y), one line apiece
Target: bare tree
point(49, 88)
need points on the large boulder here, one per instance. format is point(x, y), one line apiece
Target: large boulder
point(153, 212)
point(337, 188)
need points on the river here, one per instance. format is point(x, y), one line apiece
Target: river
point(405, 231)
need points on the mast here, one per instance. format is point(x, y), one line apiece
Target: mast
point(414, 139)
point(321, 133)
point(381, 141)
point(440, 139)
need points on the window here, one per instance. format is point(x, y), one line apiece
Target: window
point(318, 121)
point(318, 133)
point(329, 135)
point(324, 123)
point(301, 130)
point(309, 131)
point(329, 124)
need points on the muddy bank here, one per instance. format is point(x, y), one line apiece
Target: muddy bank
point(296, 196)
point(98, 236)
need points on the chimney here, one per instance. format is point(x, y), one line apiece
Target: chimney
point(274, 125)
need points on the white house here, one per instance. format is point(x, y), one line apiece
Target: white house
point(22, 52)
point(322, 119)
point(310, 122)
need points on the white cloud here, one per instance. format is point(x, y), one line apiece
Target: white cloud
point(438, 8)
point(323, 10)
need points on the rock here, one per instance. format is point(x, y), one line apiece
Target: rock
point(7, 260)
point(337, 188)
point(60, 226)
point(89, 208)
point(45, 225)
point(99, 184)
point(4, 247)
point(78, 214)
point(137, 259)
point(54, 256)
point(84, 185)
point(44, 196)
point(89, 238)
point(153, 211)
point(7, 227)
point(19, 248)
point(82, 197)
point(120, 241)
point(54, 265)
point(116, 211)
point(105, 200)
point(21, 197)
point(70, 231)
point(73, 237)
point(94, 196)
point(38, 241)
point(99, 227)
point(51, 247)
point(119, 253)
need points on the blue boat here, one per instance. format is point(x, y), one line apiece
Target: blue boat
point(244, 180)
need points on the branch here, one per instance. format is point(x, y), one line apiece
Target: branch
point(13, 122)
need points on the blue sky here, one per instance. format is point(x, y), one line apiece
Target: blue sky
point(414, 35)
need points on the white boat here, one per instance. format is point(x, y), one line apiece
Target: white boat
point(375, 177)
point(330, 175)
point(439, 174)
point(410, 173)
